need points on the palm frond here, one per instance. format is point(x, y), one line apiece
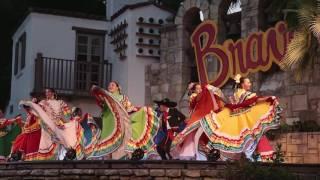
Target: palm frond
point(296, 51)
point(318, 7)
point(306, 16)
point(315, 27)
point(298, 74)
point(304, 67)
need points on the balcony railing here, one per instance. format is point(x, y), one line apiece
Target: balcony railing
point(70, 77)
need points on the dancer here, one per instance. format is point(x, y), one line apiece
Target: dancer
point(9, 130)
point(203, 99)
point(27, 143)
point(125, 128)
point(58, 131)
point(239, 126)
point(172, 121)
point(87, 128)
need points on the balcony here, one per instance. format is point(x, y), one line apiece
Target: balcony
point(70, 77)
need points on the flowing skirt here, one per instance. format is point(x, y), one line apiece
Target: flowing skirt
point(236, 131)
point(186, 145)
point(122, 134)
point(55, 141)
point(6, 139)
point(27, 143)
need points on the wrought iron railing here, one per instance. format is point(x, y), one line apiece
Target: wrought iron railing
point(70, 77)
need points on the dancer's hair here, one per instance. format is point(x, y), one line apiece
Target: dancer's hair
point(76, 111)
point(237, 85)
point(55, 95)
point(192, 89)
point(117, 84)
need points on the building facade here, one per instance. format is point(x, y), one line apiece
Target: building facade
point(147, 49)
point(70, 51)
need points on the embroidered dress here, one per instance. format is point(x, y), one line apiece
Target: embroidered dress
point(28, 141)
point(58, 131)
point(238, 127)
point(125, 128)
point(187, 144)
point(9, 130)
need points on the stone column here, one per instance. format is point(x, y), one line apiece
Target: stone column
point(250, 24)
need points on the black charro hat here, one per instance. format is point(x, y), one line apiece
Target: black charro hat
point(167, 102)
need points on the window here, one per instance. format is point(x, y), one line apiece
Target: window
point(20, 54)
point(89, 56)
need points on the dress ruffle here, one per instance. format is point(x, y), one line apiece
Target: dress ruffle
point(239, 129)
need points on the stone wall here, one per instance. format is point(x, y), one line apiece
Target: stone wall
point(137, 170)
point(124, 170)
point(300, 100)
point(170, 77)
point(300, 148)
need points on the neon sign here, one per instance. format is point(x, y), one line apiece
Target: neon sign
point(255, 53)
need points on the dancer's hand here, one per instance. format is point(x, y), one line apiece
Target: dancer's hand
point(34, 100)
point(232, 100)
point(191, 85)
point(25, 103)
point(22, 102)
point(210, 87)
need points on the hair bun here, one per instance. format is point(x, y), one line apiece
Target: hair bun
point(237, 78)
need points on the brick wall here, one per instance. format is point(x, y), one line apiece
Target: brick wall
point(300, 147)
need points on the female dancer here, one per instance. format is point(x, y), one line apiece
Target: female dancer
point(202, 100)
point(239, 126)
point(88, 129)
point(59, 133)
point(125, 128)
point(9, 130)
point(28, 141)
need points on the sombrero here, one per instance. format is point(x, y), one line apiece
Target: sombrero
point(166, 102)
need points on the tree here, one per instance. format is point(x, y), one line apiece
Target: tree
point(303, 49)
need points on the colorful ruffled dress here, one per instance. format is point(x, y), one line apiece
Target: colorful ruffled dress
point(189, 143)
point(124, 127)
point(60, 132)
point(9, 130)
point(239, 127)
point(28, 141)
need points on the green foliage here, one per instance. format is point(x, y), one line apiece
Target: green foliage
point(245, 170)
point(288, 10)
point(278, 156)
point(302, 17)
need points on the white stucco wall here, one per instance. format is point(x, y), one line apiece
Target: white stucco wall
point(119, 67)
point(51, 35)
point(21, 84)
point(130, 72)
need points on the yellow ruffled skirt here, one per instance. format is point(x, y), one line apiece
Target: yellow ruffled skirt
point(235, 131)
